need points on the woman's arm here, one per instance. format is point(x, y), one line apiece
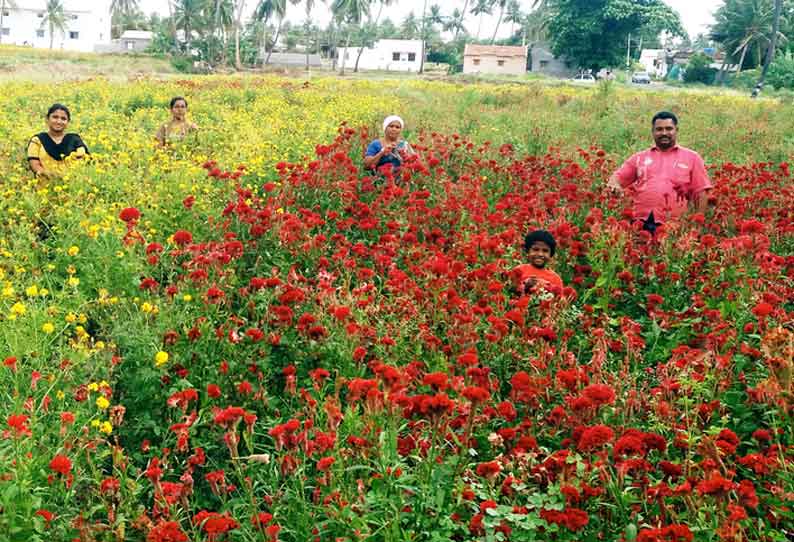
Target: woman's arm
point(160, 136)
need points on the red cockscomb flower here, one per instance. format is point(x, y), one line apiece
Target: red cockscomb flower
point(182, 237)
point(130, 215)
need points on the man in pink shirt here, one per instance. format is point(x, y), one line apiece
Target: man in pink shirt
point(665, 179)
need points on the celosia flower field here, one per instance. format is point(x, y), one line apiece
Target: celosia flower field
point(255, 340)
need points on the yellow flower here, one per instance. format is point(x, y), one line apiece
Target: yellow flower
point(60, 395)
point(93, 386)
point(94, 423)
point(102, 402)
point(106, 427)
point(8, 291)
point(18, 309)
point(48, 327)
point(160, 358)
point(32, 291)
point(187, 297)
point(146, 307)
point(43, 292)
point(71, 318)
point(73, 250)
point(73, 281)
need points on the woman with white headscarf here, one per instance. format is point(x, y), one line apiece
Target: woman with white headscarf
point(389, 150)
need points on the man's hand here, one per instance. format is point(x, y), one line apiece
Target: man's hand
point(613, 186)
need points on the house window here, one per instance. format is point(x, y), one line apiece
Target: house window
point(39, 33)
point(476, 61)
point(395, 56)
point(74, 35)
point(5, 31)
point(40, 15)
point(500, 62)
point(130, 45)
point(74, 17)
point(411, 57)
point(544, 64)
point(6, 13)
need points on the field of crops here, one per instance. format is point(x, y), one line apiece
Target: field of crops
point(246, 337)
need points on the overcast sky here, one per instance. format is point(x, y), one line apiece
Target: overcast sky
point(695, 14)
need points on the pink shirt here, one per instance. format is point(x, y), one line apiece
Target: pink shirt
point(663, 182)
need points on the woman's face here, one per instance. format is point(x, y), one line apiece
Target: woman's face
point(393, 130)
point(179, 110)
point(57, 121)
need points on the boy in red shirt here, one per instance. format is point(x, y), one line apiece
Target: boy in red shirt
point(540, 247)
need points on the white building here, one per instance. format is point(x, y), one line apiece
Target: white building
point(386, 55)
point(654, 61)
point(87, 25)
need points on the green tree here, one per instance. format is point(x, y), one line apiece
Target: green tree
point(187, 17)
point(744, 28)
point(352, 12)
point(267, 9)
point(129, 20)
point(593, 33)
point(480, 9)
point(369, 32)
point(54, 18)
point(770, 55)
point(514, 15)
point(123, 7)
point(699, 70)
point(409, 28)
point(4, 5)
point(502, 5)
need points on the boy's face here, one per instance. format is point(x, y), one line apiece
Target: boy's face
point(539, 254)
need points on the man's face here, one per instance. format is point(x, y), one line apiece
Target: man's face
point(665, 133)
point(539, 254)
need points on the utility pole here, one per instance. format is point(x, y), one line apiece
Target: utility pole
point(628, 53)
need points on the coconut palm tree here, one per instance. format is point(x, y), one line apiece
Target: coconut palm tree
point(480, 8)
point(770, 54)
point(514, 15)
point(307, 28)
point(272, 8)
point(123, 7)
point(239, 6)
point(54, 18)
point(502, 5)
point(352, 12)
point(744, 27)
point(187, 14)
point(373, 24)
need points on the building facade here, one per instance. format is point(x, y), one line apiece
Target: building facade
point(385, 55)
point(87, 25)
point(543, 61)
point(495, 59)
point(654, 61)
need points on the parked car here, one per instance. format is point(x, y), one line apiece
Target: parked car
point(585, 78)
point(641, 78)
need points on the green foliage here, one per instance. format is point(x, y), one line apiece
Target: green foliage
point(593, 34)
point(699, 70)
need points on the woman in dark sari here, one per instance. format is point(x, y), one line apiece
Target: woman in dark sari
point(50, 152)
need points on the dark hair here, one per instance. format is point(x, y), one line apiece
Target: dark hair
point(542, 236)
point(177, 99)
point(59, 107)
point(664, 115)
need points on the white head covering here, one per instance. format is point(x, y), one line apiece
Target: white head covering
point(391, 118)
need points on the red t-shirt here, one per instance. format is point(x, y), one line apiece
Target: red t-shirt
point(548, 278)
point(663, 182)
